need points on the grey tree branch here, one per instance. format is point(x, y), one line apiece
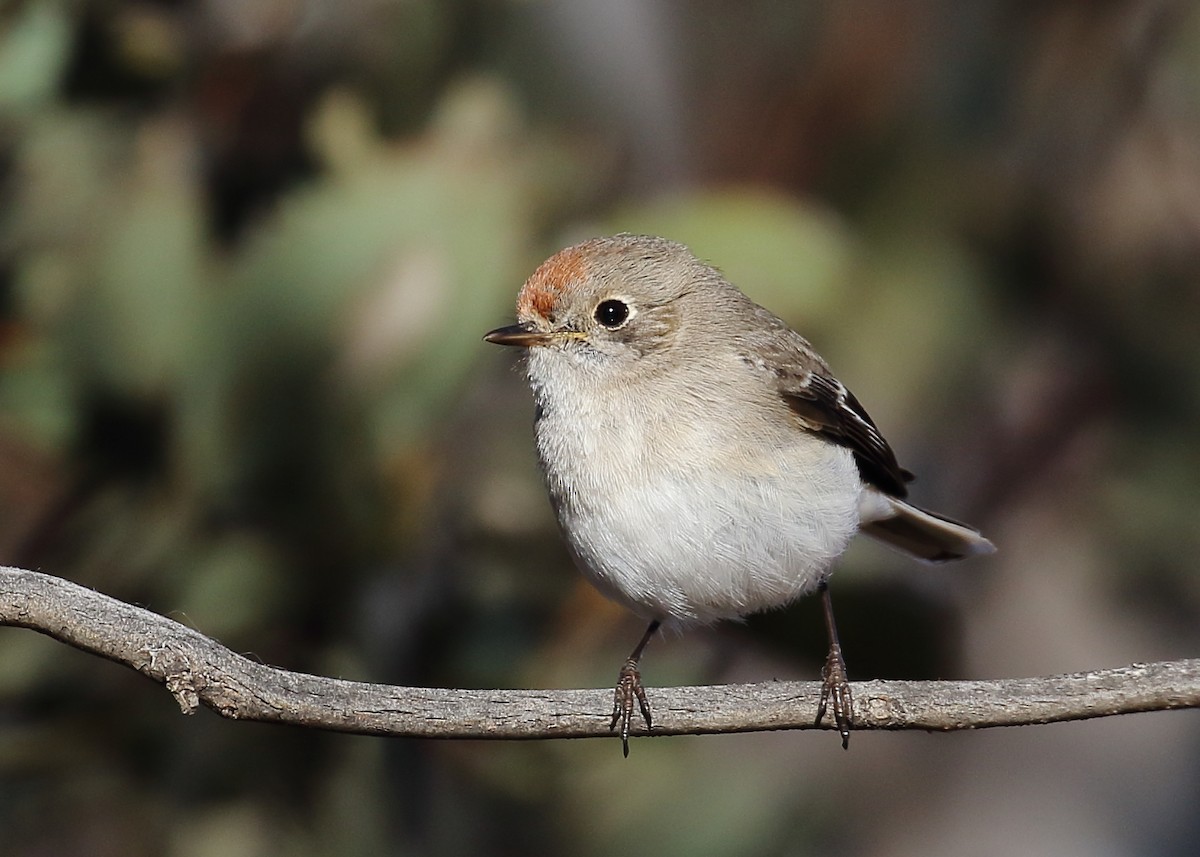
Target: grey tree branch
point(198, 670)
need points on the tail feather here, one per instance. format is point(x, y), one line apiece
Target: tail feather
point(919, 533)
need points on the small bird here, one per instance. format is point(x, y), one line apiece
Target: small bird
point(702, 460)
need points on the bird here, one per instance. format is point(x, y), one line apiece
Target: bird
point(703, 461)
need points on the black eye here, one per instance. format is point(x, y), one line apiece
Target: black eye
point(611, 313)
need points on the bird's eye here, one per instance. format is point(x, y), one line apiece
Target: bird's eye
point(611, 313)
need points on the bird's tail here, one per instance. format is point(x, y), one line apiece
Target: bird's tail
point(919, 533)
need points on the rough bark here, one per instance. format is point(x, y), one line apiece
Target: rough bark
point(197, 670)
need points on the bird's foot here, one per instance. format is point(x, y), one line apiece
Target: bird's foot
point(835, 693)
point(629, 687)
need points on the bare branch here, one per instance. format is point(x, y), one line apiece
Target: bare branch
point(197, 669)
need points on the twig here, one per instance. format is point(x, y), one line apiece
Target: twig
point(199, 670)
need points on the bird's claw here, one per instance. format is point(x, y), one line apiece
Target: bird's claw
point(629, 687)
point(835, 693)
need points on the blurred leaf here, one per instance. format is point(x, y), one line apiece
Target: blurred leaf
point(386, 275)
point(34, 47)
point(36, 397)
point(909, 329)
point(233, 585)
point(140, 317)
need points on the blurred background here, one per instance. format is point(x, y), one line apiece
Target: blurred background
point(247, 252)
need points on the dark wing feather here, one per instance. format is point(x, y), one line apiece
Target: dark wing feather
point(827, 407)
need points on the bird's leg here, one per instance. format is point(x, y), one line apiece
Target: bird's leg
point(835, 686)
point(629, 686)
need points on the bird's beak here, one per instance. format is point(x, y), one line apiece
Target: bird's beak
point(519, 335)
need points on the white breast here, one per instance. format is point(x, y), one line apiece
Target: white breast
point(694, 507)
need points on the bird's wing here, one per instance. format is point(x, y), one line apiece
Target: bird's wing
point(825, 406)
